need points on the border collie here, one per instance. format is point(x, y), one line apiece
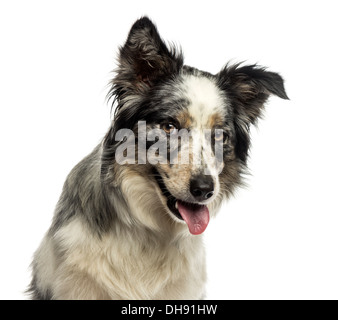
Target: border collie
point(129, 221)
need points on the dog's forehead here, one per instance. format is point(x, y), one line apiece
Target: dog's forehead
point(206, 102)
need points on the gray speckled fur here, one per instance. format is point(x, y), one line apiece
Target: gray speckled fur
point(113, 235)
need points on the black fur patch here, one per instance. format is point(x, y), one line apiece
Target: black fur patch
point(248, 87)
point(145, 65)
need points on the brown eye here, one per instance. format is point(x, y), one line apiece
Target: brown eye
point(220, 135)
point(169, 128)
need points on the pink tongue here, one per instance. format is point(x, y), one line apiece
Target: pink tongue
point(196, 216)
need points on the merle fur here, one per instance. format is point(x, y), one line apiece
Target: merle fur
point(147, 72)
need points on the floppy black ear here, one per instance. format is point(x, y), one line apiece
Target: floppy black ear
point(144, 60)
point(248, 88)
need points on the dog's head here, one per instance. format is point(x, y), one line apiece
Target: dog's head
point(187, 130)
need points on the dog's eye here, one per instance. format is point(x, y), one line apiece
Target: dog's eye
point(169, 128)
point(220, 135)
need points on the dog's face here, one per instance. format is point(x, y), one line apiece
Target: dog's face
point(191, 127)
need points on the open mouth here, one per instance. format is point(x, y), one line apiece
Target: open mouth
point(195, 215)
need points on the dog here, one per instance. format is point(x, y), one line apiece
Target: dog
point(130, 219)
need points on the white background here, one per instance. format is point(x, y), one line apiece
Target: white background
point(278, 238)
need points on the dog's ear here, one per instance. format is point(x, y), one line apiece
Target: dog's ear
point(248, 88)
point(144, 60)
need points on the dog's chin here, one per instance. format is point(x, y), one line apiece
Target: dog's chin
point(194, 214)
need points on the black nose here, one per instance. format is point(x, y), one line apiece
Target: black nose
point(202, 187)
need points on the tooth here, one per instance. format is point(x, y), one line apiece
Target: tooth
point(176, 205)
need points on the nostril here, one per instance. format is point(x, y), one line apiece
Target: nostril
point(209, 195)
point(197, 193)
